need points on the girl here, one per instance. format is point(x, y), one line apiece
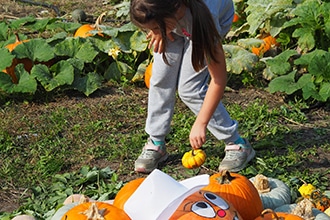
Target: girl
point(188, 57)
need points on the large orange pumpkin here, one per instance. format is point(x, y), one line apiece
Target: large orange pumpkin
point(269, 214)
point(126, 191)
point(95, 210)
point(147, 75)
point(11, 69)
point(239, 191)
point(205, 205)
point(84, 30)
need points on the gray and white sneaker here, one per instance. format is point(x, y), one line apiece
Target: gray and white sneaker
point(237, 156)
point(150, 157)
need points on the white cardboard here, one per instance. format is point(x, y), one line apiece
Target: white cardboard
point(159, 195)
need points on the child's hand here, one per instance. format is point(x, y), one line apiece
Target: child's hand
point(156, 40)
point(197, 136)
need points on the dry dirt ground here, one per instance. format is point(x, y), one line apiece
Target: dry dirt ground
point(14, 9)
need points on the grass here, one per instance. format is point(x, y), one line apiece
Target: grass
point(70, 143)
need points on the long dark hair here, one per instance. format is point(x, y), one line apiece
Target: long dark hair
point(205, 36)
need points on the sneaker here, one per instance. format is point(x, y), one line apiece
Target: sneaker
point(150, 157)
point(237, 156)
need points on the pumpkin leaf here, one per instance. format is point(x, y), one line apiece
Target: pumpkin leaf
point(35, 49)
point(139, 75)
point(16, 24)
point(128, 41)
point(308, 86)
point(285, 84)
point(76, 47)
point(59, 74)
point(238, 59)
point(6, 58)
point(66, 26)
point(112, 72)
point(26, 82)
point(279, 65)
point(261, 11)
point(88, 84)
point(40, 24)
point(320, 67)
point(324, 91)
point(3, 31)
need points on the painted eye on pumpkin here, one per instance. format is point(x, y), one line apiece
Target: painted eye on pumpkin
point(203, 209)
point(216, 200)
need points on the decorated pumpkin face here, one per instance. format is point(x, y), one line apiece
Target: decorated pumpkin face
point(205, 205)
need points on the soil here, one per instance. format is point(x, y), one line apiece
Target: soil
point(9, 9)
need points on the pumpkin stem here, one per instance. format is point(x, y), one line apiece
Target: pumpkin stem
point(93, 213)
point(225, 177)
point(99, 20)
point(261, 183)
point(276, 217)
point(17, 38)
point(304, 209)
point(304, 182)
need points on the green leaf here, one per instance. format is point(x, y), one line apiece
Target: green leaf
point(305, 37)
point(279, 65)
point(3, 31)
point(260, 11)
point(139, 75)
point(76, 47)
point(128, 41)
point(26, 82)
point(308, 87)
point(239, 59)
point(40, 24)
point(112, 72)
point(59, 25)
point(284, 83)
point(59, 74)
point(325, 91)
point(138, 41)
point(87, 52)
point(6, 58)
point(319, 66)
point(35, 49)
point(16, 24)
point(305, 59)
point(88, 84)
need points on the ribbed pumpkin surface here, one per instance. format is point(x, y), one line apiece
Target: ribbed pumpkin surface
point(239, 191)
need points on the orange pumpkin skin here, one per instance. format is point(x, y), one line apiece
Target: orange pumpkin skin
point(147, 75)
point(126, 191)
point(111, 212)
point(239, 191)
point(269, 214)
point(205, 205)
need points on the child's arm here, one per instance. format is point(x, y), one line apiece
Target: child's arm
point(213, 96)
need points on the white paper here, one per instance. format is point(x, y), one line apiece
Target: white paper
point(159, 195)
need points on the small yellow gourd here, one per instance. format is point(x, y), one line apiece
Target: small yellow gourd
point(193, 158)
point(306, 189)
